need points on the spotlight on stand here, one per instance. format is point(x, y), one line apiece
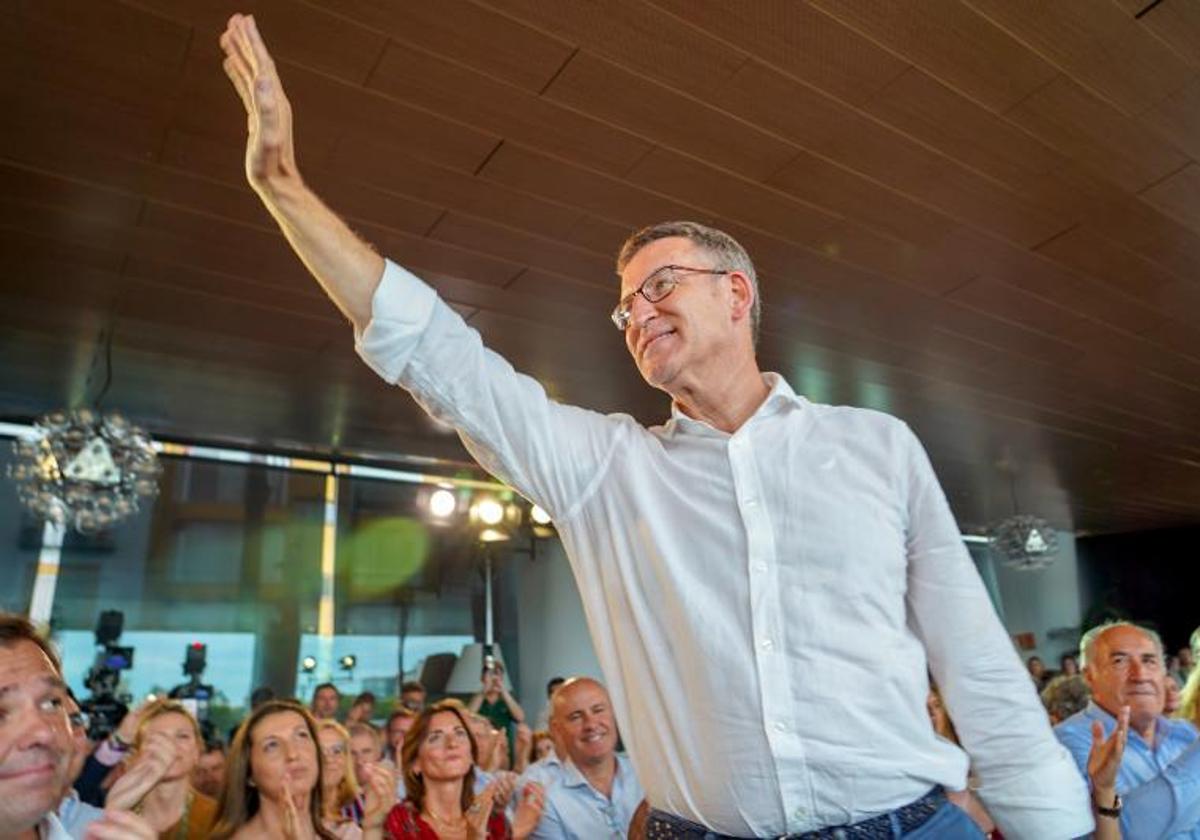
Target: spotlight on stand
point(347, 662)
point(194, 694)
point(308, 664)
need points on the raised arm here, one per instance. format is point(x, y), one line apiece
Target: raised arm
point(347, 268)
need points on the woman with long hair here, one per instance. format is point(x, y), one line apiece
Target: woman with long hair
point(341, 805)
point(168, 736)
point(273, 780)
point(439, 756)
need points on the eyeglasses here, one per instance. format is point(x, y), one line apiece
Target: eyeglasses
point(654, 288)
point(334, 751)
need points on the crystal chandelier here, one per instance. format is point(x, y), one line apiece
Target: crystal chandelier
point(84, 469)
point(1025, 542)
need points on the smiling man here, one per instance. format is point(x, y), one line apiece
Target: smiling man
point(36, 743)
point(797, 560)
point(35, 734)
point(1159, 780)
point(593, 793)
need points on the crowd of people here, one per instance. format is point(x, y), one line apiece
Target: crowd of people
point(428, 770)
point(771, 585)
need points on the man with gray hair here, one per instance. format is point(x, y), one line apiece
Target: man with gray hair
point(1158, 784)
point(797, 560)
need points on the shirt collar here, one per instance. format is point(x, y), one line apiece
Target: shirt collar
point(779, 398)
point(51, 829)
point(573, 777)
point(1162, 725)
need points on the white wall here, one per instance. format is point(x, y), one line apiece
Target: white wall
point(553, 633)
point(1043, 601)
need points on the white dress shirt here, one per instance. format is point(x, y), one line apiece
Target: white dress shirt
point(763, 604)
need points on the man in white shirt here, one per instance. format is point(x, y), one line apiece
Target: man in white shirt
point(36, 743)
point(797, 560)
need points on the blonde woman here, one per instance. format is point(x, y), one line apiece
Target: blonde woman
point(342, 807)
point(1189, 699)
point(167, 745)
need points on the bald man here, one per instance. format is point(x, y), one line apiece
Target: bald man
point(593, 793)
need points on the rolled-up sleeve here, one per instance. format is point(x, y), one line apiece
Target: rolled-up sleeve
point(1028, 781)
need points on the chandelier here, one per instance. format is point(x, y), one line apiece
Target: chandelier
point(1025, 542)
point(84, 469)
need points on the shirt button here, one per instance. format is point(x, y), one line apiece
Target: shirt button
point(767, 644)
point(751, 502)
point(780, 726)
point(760, 567)
point(800, 814)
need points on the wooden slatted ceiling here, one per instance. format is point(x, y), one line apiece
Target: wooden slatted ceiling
point(981, 215)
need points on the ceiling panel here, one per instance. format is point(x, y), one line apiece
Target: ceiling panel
point(980, 215)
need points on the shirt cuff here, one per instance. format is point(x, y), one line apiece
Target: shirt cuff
point(1023, 805)
point(401, 309)
point(106, 755)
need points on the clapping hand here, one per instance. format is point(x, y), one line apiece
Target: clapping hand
point(479, 812)
point(292, 821)
point(380, 786)
point(1104, 760)
point(120, 825)
point(148, 765)
point(529, 810)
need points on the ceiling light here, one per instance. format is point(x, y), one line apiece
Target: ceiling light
point(489, 511)
point(1025, 542)
point(85, 469)
point(442, 503)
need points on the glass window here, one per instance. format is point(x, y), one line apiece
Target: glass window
point(228, 555)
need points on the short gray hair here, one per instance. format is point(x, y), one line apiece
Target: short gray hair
point(727, 250)
point(1065, 695)
point(1088, 642)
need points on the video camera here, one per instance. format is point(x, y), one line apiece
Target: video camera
point(193, 694)
point(105, 708)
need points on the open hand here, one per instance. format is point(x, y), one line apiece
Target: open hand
point(270, 153)
point(1104, 760)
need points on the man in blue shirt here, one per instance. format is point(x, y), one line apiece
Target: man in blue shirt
point(1159, 779)
point(593, 793)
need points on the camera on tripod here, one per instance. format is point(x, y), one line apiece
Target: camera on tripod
point(105, 708)
point(193, 694)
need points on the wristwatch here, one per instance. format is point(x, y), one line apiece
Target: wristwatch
point(1114, 811)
